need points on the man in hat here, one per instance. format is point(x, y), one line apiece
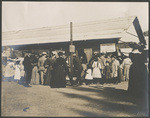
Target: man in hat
point(27, 68)
point(41, 67)
point(49, 65)
point(126, 66)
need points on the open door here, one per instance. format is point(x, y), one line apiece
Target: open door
point(88, 52)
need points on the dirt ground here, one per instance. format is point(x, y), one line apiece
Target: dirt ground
point(108, 100)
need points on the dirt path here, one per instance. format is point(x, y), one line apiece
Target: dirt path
point(38, 100)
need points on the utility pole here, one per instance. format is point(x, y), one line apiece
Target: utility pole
point(71, 58)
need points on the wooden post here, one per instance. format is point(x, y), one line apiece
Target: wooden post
point(71, 58)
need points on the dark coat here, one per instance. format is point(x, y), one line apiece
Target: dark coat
point(77, 67)
point(49, 63)
point(138, 76)
point(27, 68)
point(34, 60)
point(84, 59)
point(27, 63)
point(60, 71)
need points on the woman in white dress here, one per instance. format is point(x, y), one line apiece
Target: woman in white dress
point(88, 76)
point(97, 76)
point(17, 71)
point(21, 68)
point(9, 70)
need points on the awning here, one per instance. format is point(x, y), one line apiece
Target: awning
point(102, 29)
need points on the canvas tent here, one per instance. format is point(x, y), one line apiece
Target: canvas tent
point(122, 28)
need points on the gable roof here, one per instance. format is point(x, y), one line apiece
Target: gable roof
point(102, 29)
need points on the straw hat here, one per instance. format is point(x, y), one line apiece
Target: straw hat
point(95, 52)
point(126, 54)
point(44, 53)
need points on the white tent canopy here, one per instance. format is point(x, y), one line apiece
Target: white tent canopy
point(102, 29)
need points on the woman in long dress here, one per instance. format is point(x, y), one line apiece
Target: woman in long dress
point(35, 73)
point(88, 76)
point(22, 69)
point(49, 69)
point(60, 72)
point(97, 76)
point(9, 71)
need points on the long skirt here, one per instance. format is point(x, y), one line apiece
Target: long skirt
point(96, 73)
point(8, 71)
point(17, 74)
point(83, 71)
point(59, 78)
point(35, 76)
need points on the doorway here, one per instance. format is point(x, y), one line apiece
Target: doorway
point(88, 52)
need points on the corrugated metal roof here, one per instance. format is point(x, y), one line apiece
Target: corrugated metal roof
point(111, 28)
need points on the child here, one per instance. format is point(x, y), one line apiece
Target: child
point(88, 77)
point(17, 71)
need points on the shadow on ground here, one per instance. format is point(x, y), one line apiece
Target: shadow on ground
point(114, 101)
point(11, 79)
point(8, 79)
point(23, 83)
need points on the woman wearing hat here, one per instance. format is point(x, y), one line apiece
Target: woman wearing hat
point(97, 76)
point(49, 69)
point(35, 73)
point(60, 71)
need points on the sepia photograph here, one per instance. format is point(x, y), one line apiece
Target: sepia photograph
point(75, 59)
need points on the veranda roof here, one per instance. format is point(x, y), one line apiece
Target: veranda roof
point(102, 29)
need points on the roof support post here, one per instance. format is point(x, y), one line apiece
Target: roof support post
point(71, 56)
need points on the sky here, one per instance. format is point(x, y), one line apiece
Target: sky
point(30, 15)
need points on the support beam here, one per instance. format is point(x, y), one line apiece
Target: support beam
point(71, 58)
point(139, 31)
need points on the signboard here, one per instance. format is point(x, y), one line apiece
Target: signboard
point(126, 50)
point(109, 47)
point(72, 48)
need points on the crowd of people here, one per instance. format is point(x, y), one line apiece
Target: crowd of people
point(54, 69)
point(108, 68)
